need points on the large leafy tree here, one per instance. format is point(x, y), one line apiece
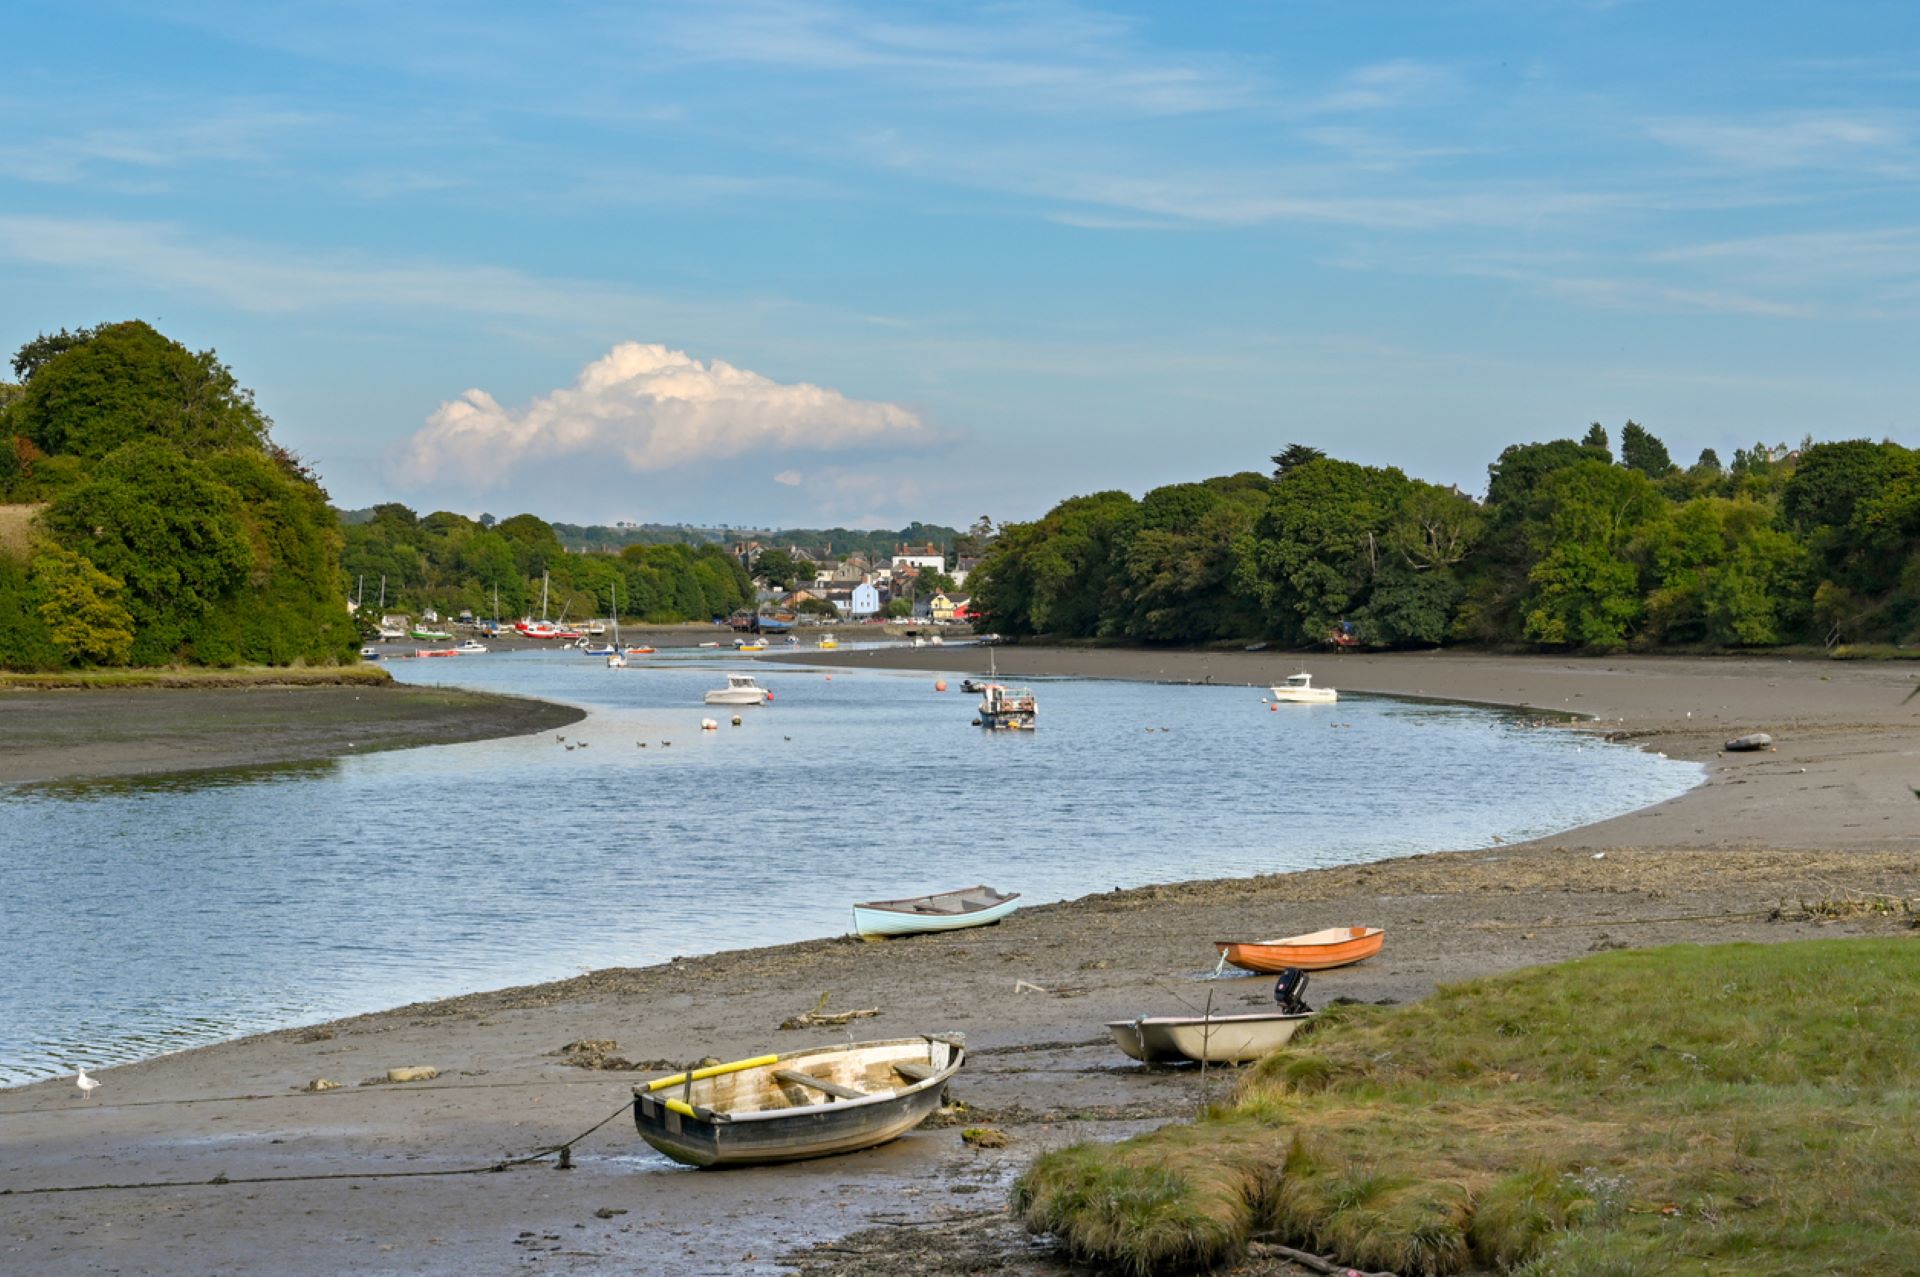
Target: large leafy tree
point(1319, 544)
point(1588, 524)
point(125, 383)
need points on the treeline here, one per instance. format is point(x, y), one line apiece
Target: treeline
point(449, 562)
point(1571, 548)
point(876, 544)
point(152, 519)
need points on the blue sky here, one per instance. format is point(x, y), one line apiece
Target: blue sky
point(818, 262)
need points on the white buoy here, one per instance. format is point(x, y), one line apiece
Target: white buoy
point(709, 725)
point(84, 1084)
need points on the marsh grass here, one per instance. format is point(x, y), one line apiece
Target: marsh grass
point(1735, 1109)
point(200, 676)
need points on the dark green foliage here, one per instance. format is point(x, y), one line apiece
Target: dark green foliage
point(1294, 454)
point(450, 562)
point(178, 532)
point(1570, 550)
point(1597, 440)
point(126, 383)
point(1639, 450)
point(780, 570)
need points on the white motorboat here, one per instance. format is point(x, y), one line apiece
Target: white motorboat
point(1299, 690)
point(471, 647)
point(740, 690)
point(1218, 1039)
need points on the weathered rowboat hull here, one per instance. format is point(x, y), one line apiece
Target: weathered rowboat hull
point(1221, 1039)
point(689, 1131)
point(899, 918)
point(1315, 951)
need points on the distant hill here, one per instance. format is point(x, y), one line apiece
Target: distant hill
point(839, 542)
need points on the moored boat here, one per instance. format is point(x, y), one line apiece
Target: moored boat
point(1314, 951)
point(1005, 708)
point(740, 690)
point(1216, 1039)
point(742, 645)
point(640, 651)
point(436, 651)
point(472, 647)
point(1299, 690)
point(798, 1104)
point(828, 641)
point(974, 906)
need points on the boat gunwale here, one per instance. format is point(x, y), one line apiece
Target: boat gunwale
point(908, 911)
point(720, 1117)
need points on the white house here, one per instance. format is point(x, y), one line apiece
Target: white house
point(864, 601)
point(919, 556)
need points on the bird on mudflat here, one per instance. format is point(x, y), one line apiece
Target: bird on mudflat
point(84, 1084)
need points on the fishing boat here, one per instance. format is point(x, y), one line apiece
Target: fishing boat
point(472, 647)
point(798, 1104)
point(740, 690)
point(1299, 690)
point(1314, 951)
point(974, 906)
point(828, 642)
point(1003, 708)
point(1215, 1039)
point(742, 645)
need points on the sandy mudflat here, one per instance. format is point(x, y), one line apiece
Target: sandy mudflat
point(92, 733)
point(1830, 815)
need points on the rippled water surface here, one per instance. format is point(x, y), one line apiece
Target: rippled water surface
point(143, 916)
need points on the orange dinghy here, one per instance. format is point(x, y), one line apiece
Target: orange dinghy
point(1315, 951)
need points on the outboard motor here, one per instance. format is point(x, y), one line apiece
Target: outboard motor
point(1289, 991)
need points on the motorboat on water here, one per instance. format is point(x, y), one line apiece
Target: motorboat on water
point(797, 1104)
point(615, 660)
point(1214, 1039)
point(369, 653)
point(642, 650)
point(1299, 690)
point(975, 906)
point(1009, 709)
point(740, 690)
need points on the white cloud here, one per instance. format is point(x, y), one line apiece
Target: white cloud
point(1845, 141)
point(789, 478)
point(654, 409)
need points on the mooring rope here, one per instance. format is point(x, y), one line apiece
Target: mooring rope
point(565, 1150)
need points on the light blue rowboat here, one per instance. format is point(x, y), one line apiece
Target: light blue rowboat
point(974, 906)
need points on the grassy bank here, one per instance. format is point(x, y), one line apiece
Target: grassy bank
point(199, 676)
point(1734, 1109)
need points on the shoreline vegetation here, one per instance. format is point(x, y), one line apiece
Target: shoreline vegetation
point(1811, 841)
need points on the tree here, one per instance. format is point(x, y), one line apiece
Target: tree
point(780, 570)
point(127, 382)
point(899, 608)
point(1597, 440)
point(30, 357)
point(487, 520)
point(1317, 546)
point(1586, 524)
point(1639, 450)
point(1709, 460)
point(1294, 454)
point(81, 608)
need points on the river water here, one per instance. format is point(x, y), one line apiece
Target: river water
point(145, 916)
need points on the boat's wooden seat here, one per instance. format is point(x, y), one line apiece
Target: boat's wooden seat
point(914, 1072)
point(972, 903)
point(795, 1077)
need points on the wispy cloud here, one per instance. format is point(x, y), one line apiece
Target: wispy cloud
point(1877, 143)
point(653, 409)
point(230, 132)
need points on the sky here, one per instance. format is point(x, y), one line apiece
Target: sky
point(803, 264)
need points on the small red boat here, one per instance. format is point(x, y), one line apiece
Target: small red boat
point(436, 651)
point(1314, 951)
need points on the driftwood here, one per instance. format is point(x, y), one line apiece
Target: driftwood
point(1307, 1259)
point(820, 1017)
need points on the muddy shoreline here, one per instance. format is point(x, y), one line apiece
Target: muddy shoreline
point(1751, 854)
point(94, 733)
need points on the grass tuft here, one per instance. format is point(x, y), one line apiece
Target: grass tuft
point(1750, 1107)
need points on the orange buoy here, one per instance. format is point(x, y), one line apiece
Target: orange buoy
point(940, 685)
point(1272, 706)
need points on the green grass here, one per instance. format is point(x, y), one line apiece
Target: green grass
point(200, 676)
point(1739, 1109)
point(16, 529)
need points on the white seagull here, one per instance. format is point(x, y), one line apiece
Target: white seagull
point(84, 1084)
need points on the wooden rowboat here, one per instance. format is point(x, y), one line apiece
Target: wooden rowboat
point(796, 1105)
point(1315, 951)
point(1218, 1039)
point(974, 906)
